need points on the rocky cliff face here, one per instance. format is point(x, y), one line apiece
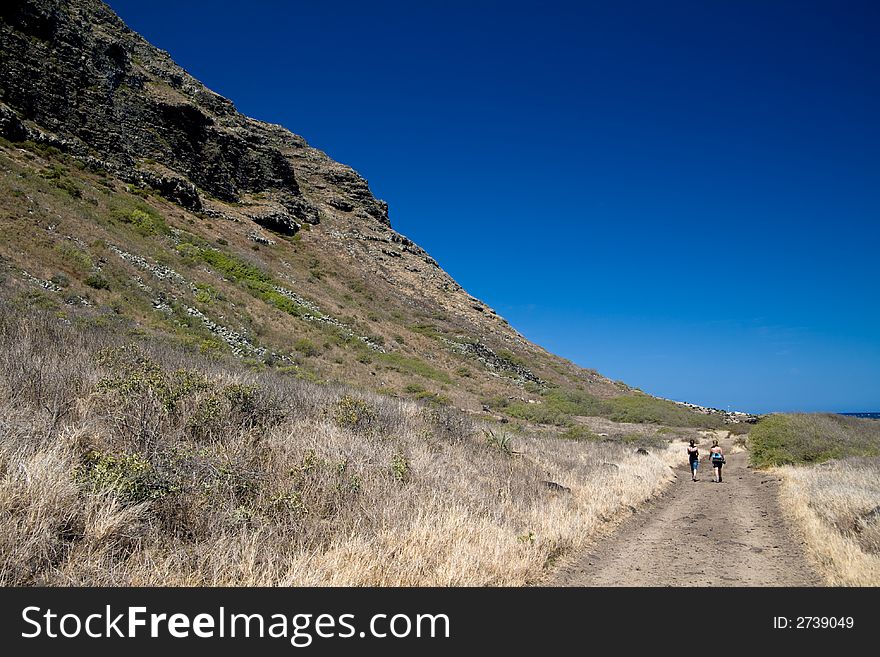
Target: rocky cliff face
point(74, 77)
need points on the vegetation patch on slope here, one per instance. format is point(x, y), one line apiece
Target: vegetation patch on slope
point(559, 405)
point(792, 438)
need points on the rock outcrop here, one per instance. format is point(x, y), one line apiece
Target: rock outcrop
point(74, 76)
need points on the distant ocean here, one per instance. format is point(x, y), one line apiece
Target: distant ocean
point(870, 416)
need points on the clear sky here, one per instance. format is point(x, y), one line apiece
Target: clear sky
point(682, 195)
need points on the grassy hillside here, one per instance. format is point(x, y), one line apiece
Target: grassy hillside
point(799, 438)
point(99, 251)
point(559, 406)
point(127, 459)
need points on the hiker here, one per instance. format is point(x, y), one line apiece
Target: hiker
point(694, 457)
point(716, 456)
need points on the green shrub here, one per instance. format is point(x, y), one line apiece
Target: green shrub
point(97, 281)
point(575, 402)
point(557, 407)
point(131, 477)
point(278, 300)
point(528, 537)
point(232, 267)
point(207, 418)
point(60, 280)
point(74, 256)
point(739, 428)
point(578, 432)
point(286, 504)
point(67, 185)
point(510, 357)
point(189, 252)
point(211, 472)
point(315, 473)
point(355, 414)
point(54, 172)
point(35, 299)
point(428, 330)
point(139, 216)
point(399, 468)
point(433, 398)
point(539, 413)
point(234, 406)
point(134, 374)
point(305, 347)
point(206, 293)
point(141, 192)
point(243, 397)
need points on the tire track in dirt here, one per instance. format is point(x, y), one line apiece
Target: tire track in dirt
point(700, 534)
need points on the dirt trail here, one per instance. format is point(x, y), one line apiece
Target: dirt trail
point(700, 534)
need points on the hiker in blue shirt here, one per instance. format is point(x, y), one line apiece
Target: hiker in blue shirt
point(716, 457)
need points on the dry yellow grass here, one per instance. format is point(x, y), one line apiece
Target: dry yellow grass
point(148, 466)
point(837, 506)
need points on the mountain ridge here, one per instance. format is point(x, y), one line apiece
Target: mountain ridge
point(211, 192)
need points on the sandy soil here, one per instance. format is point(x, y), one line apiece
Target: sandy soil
point(700, 534)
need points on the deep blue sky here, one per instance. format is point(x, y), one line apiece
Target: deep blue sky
point(682, 195)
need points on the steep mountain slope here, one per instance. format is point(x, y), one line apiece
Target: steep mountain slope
point(135, 197)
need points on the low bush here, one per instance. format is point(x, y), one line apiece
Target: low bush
point(139, 216)
point(355, 414)
point(399, 468)
point(97, 282)
point(578, 432)
point(131, 477)
point(305, 347)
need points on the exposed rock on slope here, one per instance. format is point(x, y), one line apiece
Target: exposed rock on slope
point(103, 91)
